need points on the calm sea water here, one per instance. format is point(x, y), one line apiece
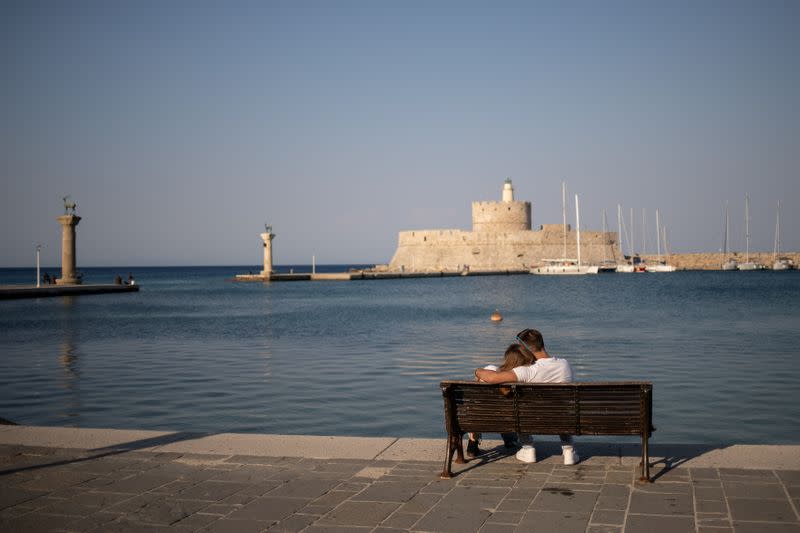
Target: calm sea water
point(192, 351)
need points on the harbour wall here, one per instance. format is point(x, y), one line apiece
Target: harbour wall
point(714, 260)
point(16, 292)
point(453, 250)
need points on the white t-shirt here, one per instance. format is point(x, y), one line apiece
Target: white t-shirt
point(549, 370)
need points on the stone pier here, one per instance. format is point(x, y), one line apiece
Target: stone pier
point(714, 260)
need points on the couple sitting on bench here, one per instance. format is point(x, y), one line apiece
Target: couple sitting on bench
point(527, 362)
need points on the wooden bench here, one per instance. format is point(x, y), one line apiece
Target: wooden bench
point(582, 408)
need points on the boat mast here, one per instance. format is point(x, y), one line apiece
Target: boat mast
point(605, 230)
point(777, 233)
point(644, 232)
point(747, 227)
point(632, 236)
point(624, 230)
point(564, 215)
point(658, 236)
point(619, 229)
point(727, 230)
point(578, 225)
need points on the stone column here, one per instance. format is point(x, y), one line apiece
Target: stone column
point(267, 252)
point(68, 273)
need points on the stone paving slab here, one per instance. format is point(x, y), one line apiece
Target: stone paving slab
point(121, 487)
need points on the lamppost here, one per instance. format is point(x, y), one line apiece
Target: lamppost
point(38, 276)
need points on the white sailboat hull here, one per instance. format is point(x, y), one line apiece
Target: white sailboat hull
point(730, 265)
point(564, 270)
point(625, 268)
point(660, 268)
point(750, 265)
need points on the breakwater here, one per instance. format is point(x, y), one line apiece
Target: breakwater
point(690, 261)
point(372, 274)
point(714, 260)
point(15, 292)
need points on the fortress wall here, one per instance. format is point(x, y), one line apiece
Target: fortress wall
point(433, 236)
point(596, 246)
point(501, 216)
point(552, 228)
point(435, 250)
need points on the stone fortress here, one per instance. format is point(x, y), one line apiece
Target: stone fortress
point(501, 239)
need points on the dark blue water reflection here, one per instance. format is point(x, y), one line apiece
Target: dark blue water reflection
point(192, 351)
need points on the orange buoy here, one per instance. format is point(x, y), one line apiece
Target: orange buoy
point(496, 317)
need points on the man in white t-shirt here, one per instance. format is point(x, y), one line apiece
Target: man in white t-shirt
point(546, 369)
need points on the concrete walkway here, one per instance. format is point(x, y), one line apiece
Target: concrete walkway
point(67, 479)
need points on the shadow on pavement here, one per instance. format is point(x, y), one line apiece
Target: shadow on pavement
point(663, 458)
point(117, 449)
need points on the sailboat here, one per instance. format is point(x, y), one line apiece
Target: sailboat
point(636, 261)
point(565, 266)
point(748, 265)
point(661, 265)
point(730, 263)
point(782, 263)
point(623, 267)
point(642, 257)
point(606, 265)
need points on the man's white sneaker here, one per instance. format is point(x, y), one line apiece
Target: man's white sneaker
point(570, 456)
point(527, 454)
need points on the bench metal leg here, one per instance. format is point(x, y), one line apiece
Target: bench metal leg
point(645, 464)
point(448, 458)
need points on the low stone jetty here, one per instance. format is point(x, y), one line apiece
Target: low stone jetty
point(714, 260)
point(15, 292)
point(691, 261)
point(371, 274)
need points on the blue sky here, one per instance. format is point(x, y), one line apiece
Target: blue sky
point(181, 127)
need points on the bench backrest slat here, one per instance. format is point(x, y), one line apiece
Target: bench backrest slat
point(487, 409)
point(613, 408)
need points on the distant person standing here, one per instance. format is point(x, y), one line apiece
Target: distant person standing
point(131, 281)
point(118, 280)
point(546, 369)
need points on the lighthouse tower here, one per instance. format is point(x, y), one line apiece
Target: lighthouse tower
point(508, 191)
point(267, 237)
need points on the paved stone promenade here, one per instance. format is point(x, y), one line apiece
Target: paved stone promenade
point(118, 489)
